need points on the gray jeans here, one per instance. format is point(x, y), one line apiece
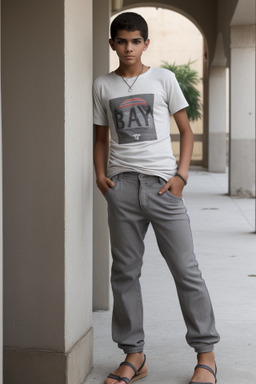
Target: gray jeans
point(133, 203)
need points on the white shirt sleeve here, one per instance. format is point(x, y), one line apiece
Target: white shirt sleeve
point(99, 110)
point(176, 100)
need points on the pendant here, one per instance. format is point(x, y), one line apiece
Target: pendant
point(130, 89)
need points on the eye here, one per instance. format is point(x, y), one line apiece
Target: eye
point(136, 41)
point(120, 42)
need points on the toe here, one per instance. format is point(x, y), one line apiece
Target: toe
point(111, 381)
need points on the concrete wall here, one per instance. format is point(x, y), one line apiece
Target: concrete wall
point(47, 190)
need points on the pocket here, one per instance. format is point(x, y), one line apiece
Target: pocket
point(110, 190)
point(173, 196)
point(105, 194)
point(168, 193)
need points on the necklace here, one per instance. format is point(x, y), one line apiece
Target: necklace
point(130, 86)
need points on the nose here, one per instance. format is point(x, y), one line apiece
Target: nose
point(129, 47)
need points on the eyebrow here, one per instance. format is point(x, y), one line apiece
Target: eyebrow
point(135, 38)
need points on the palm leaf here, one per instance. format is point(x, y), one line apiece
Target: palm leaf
point(188, 80)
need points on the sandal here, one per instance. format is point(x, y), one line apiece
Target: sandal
point(137, 375)
point(208, 369)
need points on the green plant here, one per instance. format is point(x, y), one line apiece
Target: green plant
point(188, 79)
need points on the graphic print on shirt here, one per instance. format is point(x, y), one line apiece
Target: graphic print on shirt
point(133, 118)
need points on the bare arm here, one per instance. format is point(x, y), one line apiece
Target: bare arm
point(186, 141)
point(101, 157)
point(176, 184)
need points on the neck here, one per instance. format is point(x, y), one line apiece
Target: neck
point(129, 71)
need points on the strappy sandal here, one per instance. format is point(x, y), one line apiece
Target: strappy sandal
point(208, 369)
point(137, 375)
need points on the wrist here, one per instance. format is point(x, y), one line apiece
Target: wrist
point(183, 171)
point(178, 174)
point(100, 175)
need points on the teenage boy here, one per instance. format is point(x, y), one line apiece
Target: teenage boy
point(140, 180)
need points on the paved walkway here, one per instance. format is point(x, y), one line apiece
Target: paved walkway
point(225, 245)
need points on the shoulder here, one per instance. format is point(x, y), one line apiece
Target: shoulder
point(104, 80)
point(163, 73)
point(165, 78)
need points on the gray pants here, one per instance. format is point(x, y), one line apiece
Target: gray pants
point(133, 203)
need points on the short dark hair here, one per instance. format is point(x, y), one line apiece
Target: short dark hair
point(129, 21)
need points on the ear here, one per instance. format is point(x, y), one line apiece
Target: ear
point(112, 44)
point(146, 44)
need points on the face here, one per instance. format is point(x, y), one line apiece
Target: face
point(129, 46)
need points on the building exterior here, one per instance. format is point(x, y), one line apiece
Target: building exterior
point(55, 239)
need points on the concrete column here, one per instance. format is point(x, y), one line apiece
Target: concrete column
point(242, 135)
point(101, 249)
point(78, 188)
point(47, 190)
point(217, 119)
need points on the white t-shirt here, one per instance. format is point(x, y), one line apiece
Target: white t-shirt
point(139, 121)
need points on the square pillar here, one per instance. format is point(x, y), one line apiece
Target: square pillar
point(101, 247)
point(217, 119)
point(47, 190)
point(242, 135)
